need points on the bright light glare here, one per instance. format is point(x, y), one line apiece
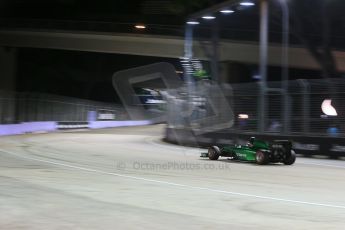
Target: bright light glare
point(328, 109)
point(140, 26)
point(247, 3)
point(193, 23)
point(227, 11)
point(208, 17)
point(243, 116)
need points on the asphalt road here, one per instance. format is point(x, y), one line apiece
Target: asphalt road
point(126, 178)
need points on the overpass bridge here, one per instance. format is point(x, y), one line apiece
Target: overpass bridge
point(158, 46)
point(139, 44)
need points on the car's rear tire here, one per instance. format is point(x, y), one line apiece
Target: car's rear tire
point(213, 153)
point(261, 157)
point(290, 160)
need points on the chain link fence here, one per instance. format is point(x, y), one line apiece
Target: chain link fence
point(16, 107)
point(305, 101)
point(232, 107)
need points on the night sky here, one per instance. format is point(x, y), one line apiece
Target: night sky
point(113, 10)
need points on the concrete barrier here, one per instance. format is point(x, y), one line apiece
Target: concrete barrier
point(51, 126)
point(113, 124)
point(11, 129)
point(27, 127)
point(44, 126)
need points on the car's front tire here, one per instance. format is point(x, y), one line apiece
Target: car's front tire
point(213, 153)
point(291, 159)
point(261, 157)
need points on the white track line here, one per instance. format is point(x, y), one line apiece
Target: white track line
point(177, 184)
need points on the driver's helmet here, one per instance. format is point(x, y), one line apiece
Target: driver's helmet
point(251, 140)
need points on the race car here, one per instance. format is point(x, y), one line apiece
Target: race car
point(261, 152)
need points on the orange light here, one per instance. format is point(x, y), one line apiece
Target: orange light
point(141, 27)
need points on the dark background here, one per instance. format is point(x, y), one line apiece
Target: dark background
point(88, 75)
point(77, 74)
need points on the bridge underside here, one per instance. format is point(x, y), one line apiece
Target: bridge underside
point(158, 46)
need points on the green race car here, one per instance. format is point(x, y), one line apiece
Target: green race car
point(261, 152)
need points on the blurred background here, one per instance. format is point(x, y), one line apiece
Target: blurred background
point(212, 70)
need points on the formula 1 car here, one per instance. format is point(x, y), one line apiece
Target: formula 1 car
point(261, 152)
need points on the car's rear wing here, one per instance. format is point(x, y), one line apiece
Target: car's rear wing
point(281, 145)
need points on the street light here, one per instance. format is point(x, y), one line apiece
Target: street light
point(191, 22)
point(247, 3)
point(225, 8)
point(227, 11)
point(208, 17)
point(140, 26)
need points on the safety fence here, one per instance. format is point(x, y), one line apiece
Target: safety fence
point(312, 107)
point(19, 107)
point(311, 113)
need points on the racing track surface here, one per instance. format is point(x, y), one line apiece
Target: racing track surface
point(126, 178)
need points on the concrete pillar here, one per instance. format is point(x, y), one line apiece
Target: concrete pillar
point(8, 65)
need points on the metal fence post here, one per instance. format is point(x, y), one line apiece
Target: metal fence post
point(306, 105)
point(263, 63)
point(285, 64)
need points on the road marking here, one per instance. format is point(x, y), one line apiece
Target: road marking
point(176, 184)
